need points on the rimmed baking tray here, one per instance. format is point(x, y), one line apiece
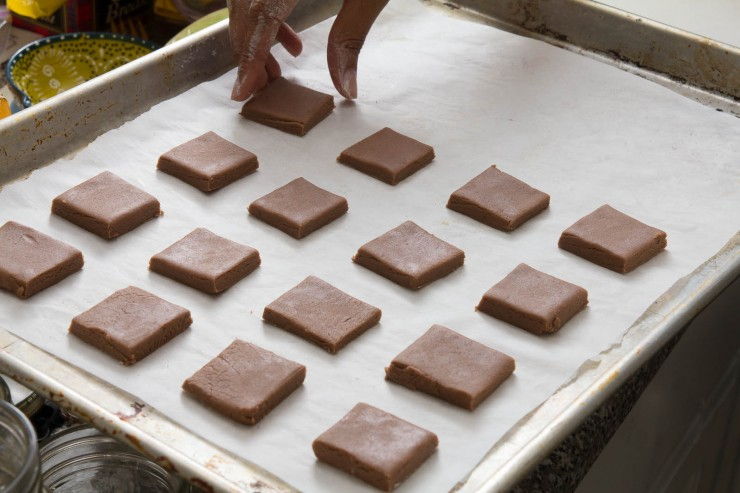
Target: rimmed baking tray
point(78, 116)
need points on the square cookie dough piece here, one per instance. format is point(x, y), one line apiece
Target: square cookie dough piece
point(106, 205)
point(320, 313)
point(205, 261)
point(208, 162)
point(498, 200)
point(31, 261)
point(299, 208)
point(409, 256)
point(245, 382)
point(450, 366)
point(130, 324)
point(388, 156)
point(375, 446)
point(613, 240)
point(288, 106)
point(534, 301)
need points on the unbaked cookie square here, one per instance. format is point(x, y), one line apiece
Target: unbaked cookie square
point(298, 208)
point(534, 301)
point(410, 256)
point(205, 261)
point(288, 106)
point(130, 324)
point(320, 313)
point(245, 382)
point(498, 200)
point(31, 261)
point(375, 446)
point(450, 366)
point(612, 239)
point(106, 205)
point(388, 156)
point(208, 162)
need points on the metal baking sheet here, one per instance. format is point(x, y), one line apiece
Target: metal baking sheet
point(587, 134)
point(696, 66)
point(49, 130)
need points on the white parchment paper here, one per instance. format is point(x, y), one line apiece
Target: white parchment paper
point(584, 132)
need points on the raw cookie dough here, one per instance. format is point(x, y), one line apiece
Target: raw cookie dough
point(288, 106)
point(31, 261)
point(409, 256)
point(106, 205)
point(245, 382)
point(130, 324)
point(322, 314)
point(533, 300)
point(208, 162)
point(375, 446)
point(206, 261)
point(613, 240)
point(450, 366)
point(387, 156)
point(498, 200)
point(298, 208)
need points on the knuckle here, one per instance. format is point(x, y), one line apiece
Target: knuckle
point(351, 44)
point(268, 10)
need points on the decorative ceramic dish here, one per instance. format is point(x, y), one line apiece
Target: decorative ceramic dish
point(48, 66)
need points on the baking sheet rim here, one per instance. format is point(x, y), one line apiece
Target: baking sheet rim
point(495, 472)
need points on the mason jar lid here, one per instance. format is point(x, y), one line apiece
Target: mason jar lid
point(24, 399)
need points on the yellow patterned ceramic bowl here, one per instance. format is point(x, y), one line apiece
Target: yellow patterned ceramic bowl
point(48, 66)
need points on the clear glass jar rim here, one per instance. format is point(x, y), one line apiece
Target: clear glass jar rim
point(31, 459)
point(4, 390)
point(80, 445)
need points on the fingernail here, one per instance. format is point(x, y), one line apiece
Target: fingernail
point(237, 86)
point(349, 83)
point(238, 92)
point(235, 92)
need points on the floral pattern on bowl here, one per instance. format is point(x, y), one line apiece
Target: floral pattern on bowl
point(49, 66)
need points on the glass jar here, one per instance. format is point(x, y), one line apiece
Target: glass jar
point(27, 401)
point(19, 457)
point(80, 459)
point(4, 391)
point(44, 415)
point(30, 404)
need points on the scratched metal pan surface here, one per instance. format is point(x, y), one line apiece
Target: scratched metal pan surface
point(692, 65)
point(71, 124)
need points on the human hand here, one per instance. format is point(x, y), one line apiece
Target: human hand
point(255, 24)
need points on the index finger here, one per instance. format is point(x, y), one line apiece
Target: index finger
point(346, 38)
point(252, 37)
